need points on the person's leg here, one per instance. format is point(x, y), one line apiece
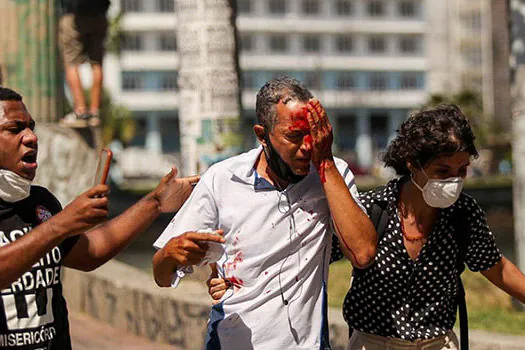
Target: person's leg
point(75, 86)
point(96, 51)
point(96, 89)
point(72, 51)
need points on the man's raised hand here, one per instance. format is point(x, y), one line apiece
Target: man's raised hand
point(172, 192)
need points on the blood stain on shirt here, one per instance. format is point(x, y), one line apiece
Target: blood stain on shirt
point(235, 281)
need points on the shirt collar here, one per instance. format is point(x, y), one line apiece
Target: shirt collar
point(243, 167)
point(243, 170)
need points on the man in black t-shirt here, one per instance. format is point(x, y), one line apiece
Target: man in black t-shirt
point(37, 238)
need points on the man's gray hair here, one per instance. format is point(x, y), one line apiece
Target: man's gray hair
point(283, 88)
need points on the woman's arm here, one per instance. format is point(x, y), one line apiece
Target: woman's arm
point(507, 277)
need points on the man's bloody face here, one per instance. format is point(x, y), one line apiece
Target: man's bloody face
point(291, 138)
point(18, 142)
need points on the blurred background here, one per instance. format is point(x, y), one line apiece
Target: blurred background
point(180, 79)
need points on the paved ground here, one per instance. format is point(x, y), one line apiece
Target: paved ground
point(90, 334)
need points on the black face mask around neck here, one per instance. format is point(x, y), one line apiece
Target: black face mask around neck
point(277, 164)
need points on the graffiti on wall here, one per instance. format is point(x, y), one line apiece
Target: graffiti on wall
point(146, 315)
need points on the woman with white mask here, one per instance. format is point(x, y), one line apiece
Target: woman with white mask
point(430, 229)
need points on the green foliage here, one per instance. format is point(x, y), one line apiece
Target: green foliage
point(232, 136)
point(115, 34)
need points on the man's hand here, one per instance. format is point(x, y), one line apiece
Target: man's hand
point(86, 211)
point(190, 247)
point(321, 136)
point(186, 249)
point(172, 192)
point(216, 288)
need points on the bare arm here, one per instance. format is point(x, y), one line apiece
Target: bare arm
point(102, 243)
point(507, 277)
point(186, 249)
point(85, 211)
point(353, 227)
point(355, 230)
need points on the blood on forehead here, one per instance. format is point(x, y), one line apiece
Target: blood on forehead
point(300, 120)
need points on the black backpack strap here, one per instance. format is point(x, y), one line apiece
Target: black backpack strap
point(379, 218)
point(463, 316)
point(461, 238)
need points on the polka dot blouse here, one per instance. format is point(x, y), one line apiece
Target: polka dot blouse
point(402, 298)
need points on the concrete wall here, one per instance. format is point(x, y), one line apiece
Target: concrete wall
point(66, 162)
point(127, 298)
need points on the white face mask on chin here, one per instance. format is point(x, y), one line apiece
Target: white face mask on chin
point(13, 187)
point(439, 193)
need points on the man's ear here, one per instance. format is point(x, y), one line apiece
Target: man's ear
point(258, 129)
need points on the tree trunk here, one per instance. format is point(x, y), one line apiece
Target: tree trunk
point(209, 107)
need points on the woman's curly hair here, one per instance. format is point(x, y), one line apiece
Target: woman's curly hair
point(428, 133)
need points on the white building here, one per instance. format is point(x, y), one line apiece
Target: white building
point(368, 61)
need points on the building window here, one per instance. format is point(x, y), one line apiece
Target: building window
point(408, 44)
point(277, 7)
point(132, 81)
point(347, 134)
point(278, 43)
point(170, 134)
point(246, 42)
point(379, 129)
point(311, 7)
point(166, 5)
point(131, 42)
point(168, 42)
point(346, 81)
point(244, 6)
point(343, 7)
point(277, 74)
point(473, 56)
point(312, 80)
point(376, 44)
point(376, 8)
point(139, 137)
point(473, 21)
point(409, 81)
point(378, 81)
point(248, 80)
point(131, 5)
point(311, 43)
point(407, 8)
point(169, 81)
point(344, 43)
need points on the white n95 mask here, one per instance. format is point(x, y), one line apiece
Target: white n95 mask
point(439, 193)
point(13, 187)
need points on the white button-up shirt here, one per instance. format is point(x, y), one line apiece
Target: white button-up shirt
point(277, 252)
